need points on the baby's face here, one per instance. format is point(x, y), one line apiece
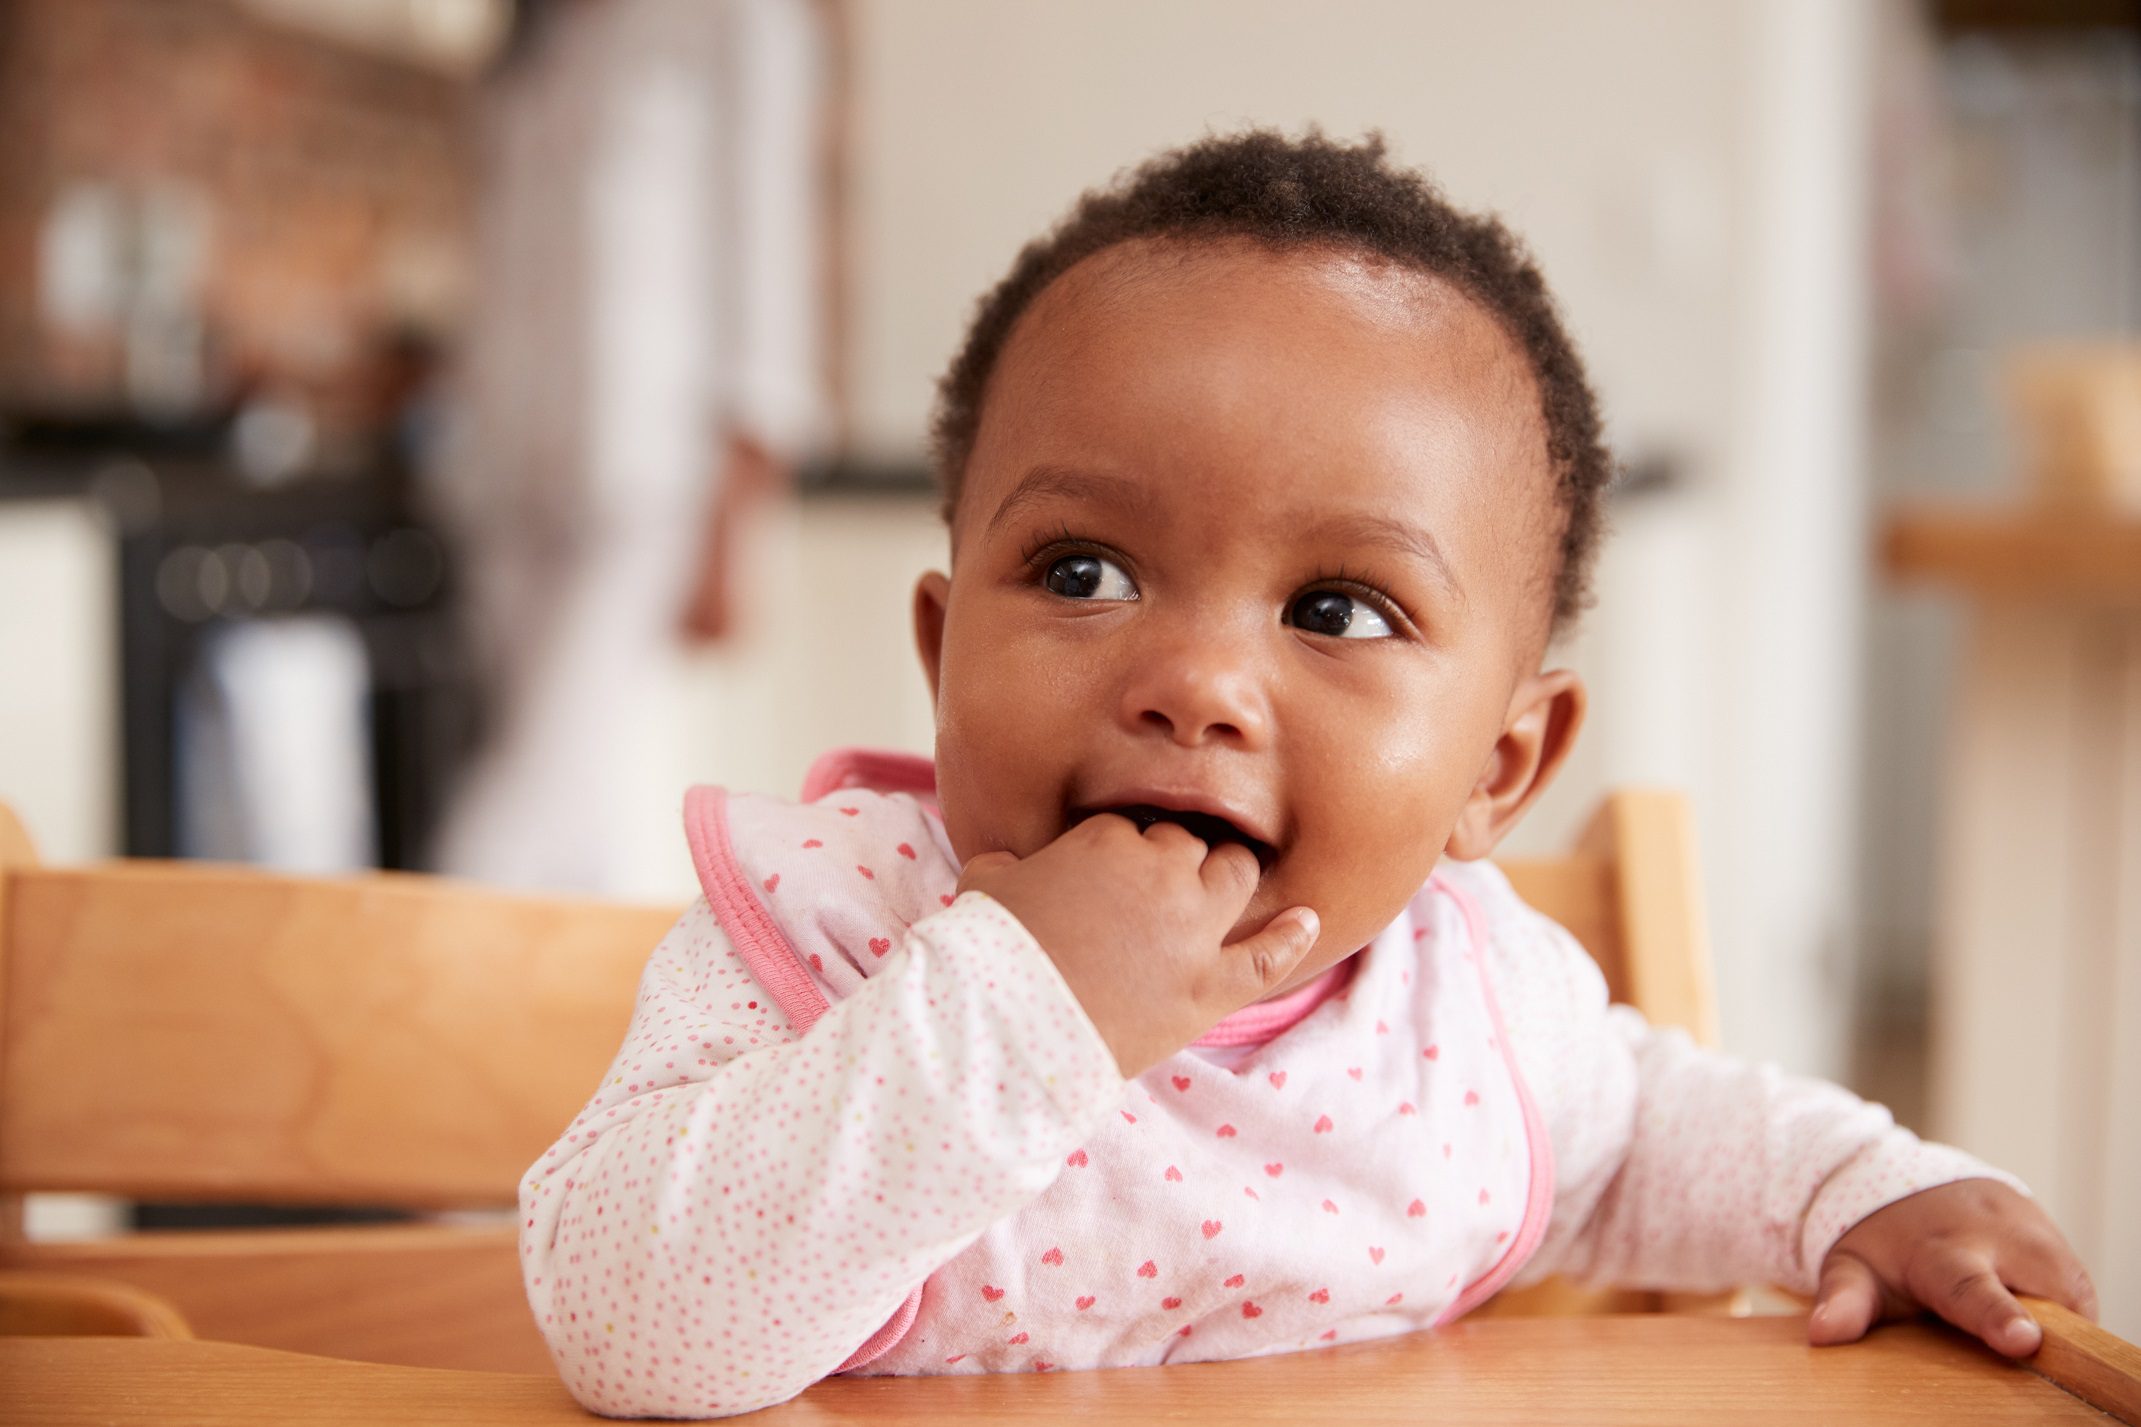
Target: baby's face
point(1262, 541)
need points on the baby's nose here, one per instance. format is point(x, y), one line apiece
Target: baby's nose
point(1199, 692)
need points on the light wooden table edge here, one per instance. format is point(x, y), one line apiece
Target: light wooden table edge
point(2085, 1363)
point(2097, 1366)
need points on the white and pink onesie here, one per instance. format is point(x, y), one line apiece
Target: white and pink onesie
point(860, 1125)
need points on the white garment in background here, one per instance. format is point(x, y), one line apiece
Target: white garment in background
point(646, 275)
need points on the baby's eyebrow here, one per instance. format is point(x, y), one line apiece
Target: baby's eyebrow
point(1398, 536)
point(1067, 483)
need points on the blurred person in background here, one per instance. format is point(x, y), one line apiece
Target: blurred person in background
point(640, 368)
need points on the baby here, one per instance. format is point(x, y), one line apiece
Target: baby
point(1172, 1015)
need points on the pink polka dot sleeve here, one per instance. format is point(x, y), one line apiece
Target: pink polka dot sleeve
point(740, 1207)
point(1678, 1167)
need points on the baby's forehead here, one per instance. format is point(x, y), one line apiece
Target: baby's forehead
point(1148, 311)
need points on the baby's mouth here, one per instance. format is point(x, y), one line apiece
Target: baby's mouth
point(1207, 827)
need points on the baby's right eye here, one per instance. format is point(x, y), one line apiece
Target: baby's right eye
point(1089, 577)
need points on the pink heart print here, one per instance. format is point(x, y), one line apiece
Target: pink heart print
point(1226, 1132)
point(1235, 1282)
point(1321, 1295)
point(1277, 1079)
point(1170, 1303)
point(1375, 1255)
point(905, 851)
point(1323, 1124)
point(1416, 1210)
point(879, 945)
point(1212, 1228)
point(1085, 1301)
point(1076, 1159)
point(991, 1292)
point(771, 883)
point(1181, 1082)
point(1053, 1258)
point(1148, 1269)
point(1275, 1169)
point(1250, 1310)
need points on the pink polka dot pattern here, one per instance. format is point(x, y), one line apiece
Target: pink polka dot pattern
point(741, 1206)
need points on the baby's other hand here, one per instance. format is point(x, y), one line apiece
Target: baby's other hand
point(1957, 1250)
point(1135, 920)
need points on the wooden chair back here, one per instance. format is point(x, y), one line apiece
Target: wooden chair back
point(1631, 893)
point(199, 1033)
point(207, 1033)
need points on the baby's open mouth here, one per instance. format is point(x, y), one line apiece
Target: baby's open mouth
point(1208, 827)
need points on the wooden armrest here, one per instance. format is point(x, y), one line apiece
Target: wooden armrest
point(73, 1305)
point(2099, 1367)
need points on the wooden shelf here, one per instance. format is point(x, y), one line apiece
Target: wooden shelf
point(2016, 553)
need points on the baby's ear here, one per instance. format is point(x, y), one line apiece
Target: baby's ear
point(1544, 714)
point(931, 595)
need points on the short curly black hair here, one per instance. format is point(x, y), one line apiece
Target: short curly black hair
point(1311, 192)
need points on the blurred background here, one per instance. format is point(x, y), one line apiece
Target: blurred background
point(434, 432)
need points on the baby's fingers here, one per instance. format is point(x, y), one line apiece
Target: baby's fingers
point(1257, 964)
point(1847, 1302)
point(1963, 1286)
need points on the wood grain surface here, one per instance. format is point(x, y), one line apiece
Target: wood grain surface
point(1652, 1370)
point(205, 1033)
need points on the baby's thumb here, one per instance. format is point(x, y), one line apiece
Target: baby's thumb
point(1264, 960)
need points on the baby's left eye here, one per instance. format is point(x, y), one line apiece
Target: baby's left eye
point(1089, 577)
point(1339, 615)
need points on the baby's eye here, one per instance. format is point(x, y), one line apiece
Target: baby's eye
point(1340, 615)
point(1089, 577)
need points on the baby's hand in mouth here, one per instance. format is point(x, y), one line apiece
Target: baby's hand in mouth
point(1135, 918)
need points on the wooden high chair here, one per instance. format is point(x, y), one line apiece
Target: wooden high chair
point(206, 1033)
point(190, 1032)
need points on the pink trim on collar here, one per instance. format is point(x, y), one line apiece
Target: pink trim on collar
point(1260, 1021)
point(750, 927)
point(877, 769)
point(1539, 1192)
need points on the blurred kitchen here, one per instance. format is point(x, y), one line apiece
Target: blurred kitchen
point(433, 432)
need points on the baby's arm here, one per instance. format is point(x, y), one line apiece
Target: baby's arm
point(739, 1208)
point(1681, 1168)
